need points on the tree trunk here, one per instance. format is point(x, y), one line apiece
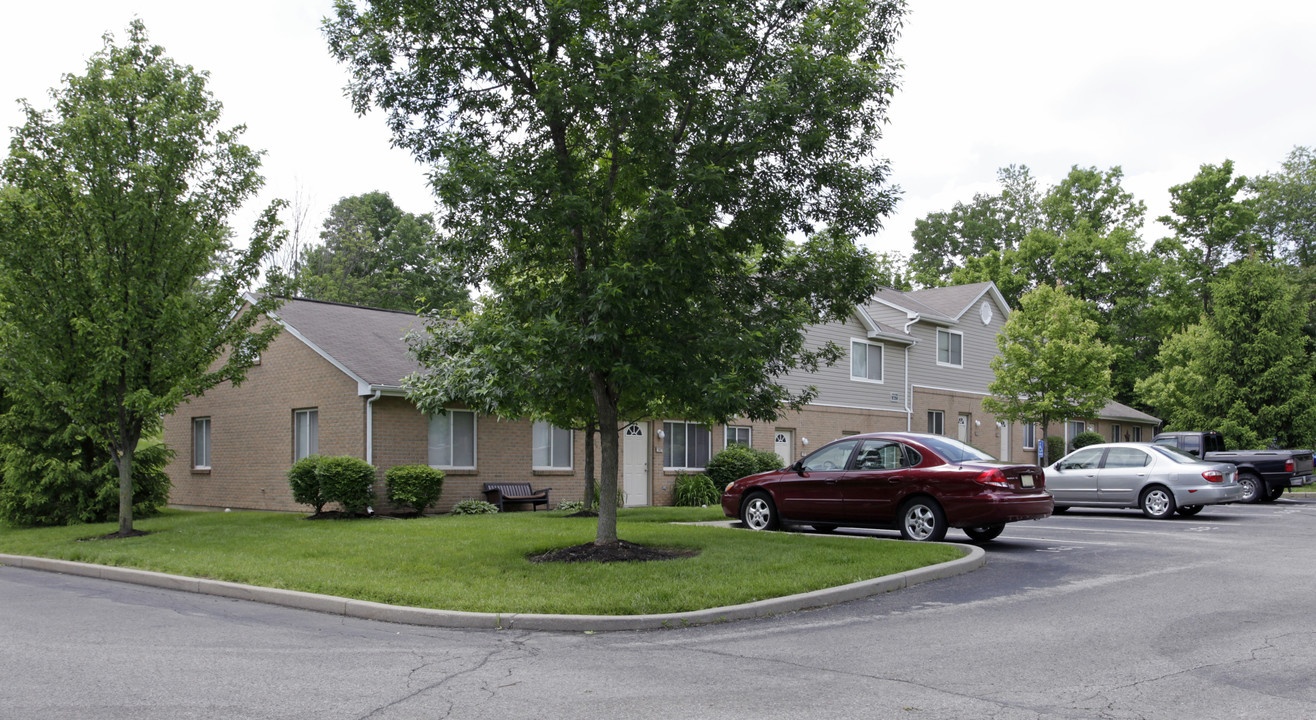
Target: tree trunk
point(125, 463)
point(590, 430)
point(605, 402)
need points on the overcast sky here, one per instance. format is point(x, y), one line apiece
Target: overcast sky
point(1158, 87)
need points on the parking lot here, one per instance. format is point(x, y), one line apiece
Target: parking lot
point(1091, 614)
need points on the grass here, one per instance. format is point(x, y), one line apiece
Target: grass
point(478, 563)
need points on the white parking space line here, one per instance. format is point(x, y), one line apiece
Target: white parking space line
point(1179, 530)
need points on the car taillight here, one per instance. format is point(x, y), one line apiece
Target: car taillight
point(993, 477)
point(1289, 466)
point(1214, 476)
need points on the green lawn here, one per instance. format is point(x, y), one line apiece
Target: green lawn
point(478, 563)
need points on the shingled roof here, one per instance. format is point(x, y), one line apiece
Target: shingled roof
point(369, 344)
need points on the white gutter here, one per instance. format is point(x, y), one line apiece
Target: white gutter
point(909, 405)
point(370, 427)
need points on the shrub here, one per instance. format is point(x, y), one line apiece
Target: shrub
point(694, 491)
point(414, 486)
point(1087, 438)
point(348, 481)
point(1055, 448)
point(621, 495)
point(571, 505)
point(305, 483)
point(79, 485)
point(474, 507)
point(736, 462)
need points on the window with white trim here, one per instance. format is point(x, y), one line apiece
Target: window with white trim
point(865, 361)
point(1075, 427)
point(551, 447)
point(452, 440)
point(201, 443)
point(1030, 436)
point(687, 445)
point(1115, 433)
point(305, 433)
point(737, 435)
point(1137, 434)
point(950, 348)
point(936, 422)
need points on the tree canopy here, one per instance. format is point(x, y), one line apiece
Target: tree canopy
point(373, 253)
point(625, 180)
point(121, 288)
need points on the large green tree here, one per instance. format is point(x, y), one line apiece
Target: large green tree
point(1247, 369)
point(1212, 223)
point(1051, 365)
point(626, 178)
point(374, 253)
point(121, 288)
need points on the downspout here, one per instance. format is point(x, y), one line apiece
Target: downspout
point(370, 427)
point(909, 401)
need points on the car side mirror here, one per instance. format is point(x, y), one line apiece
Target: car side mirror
point(798, 467)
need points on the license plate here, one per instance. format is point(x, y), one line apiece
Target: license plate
point(1026, 480)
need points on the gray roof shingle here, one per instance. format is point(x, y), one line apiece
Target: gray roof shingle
point(369, 342)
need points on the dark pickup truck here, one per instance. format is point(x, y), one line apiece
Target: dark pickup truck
point(1263, 473)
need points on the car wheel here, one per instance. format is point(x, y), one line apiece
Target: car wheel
point(1190, 510)
point(983, 533)
point(1157, 502)
point(823, 527)
point(1060, 509)
point(1252, 487)
point(922, 520)
point(1275, 494)
point(758, 512)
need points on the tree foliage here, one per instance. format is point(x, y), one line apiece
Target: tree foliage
point(1285, 203)
point(1247, 369)
point(624, 179)
point(1212, 224)
point(373, 253)
point(1051, 365)
point(121, 288)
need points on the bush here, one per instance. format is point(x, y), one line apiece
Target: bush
point(571, 506)
point(621, 495)
point(348, 481)
point(414, 486)
point(736, 462)
point(305, 483)
point(1055, 448)
point(474, 507)
point(694, 491)
point(81, 486)
point(1087, 438)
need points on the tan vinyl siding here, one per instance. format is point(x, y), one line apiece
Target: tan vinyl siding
point(979, 347)
point(835, 386)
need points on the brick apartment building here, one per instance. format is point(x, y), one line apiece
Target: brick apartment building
point(330, 383)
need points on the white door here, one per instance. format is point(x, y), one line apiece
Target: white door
point(1005, 441)
point(963, 429)
point(782, 444)
point(635, 464)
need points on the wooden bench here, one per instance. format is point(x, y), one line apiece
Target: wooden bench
point(512, 492)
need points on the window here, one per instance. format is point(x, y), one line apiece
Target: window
point(737, 435)
point(201, 443)
point(687, 445)
point(1085, 459)
point(880, 455)
point(865, 361)
point(452, 440)
point(305, 433)
point(1126, 457)
point(830, 458)
point(1030, 436)
point(551, 447)
point(936, 422)
point(1075, 427)
point(1114, 433)
point(1137, 434)
point(950, 348)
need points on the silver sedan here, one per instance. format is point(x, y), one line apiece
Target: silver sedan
point(1156, 478)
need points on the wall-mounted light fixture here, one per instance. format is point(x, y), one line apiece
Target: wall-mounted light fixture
point(804, 441)
point(661, 435)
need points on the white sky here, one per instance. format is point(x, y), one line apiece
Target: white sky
point(1158, 87)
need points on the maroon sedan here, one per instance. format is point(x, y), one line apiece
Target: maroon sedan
point(920, 484)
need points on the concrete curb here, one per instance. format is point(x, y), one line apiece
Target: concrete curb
point(975, 559)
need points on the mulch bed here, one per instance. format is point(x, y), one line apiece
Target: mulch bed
point(620, 551)
point(584, 513)
point(115, 536)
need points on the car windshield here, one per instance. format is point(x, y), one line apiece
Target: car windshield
point(1178, 455)
point(954, 450)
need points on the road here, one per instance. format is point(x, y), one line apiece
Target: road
point(1090, 614)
